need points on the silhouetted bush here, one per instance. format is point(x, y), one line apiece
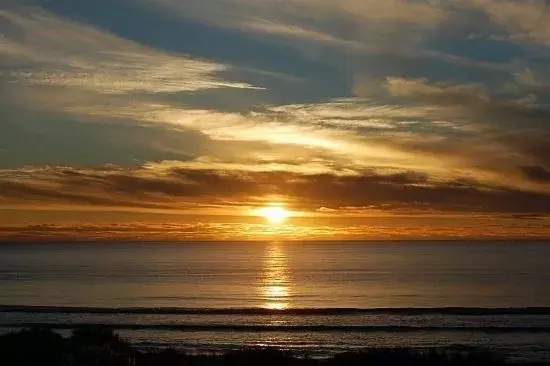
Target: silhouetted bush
point(98, 337)
point(36, 346)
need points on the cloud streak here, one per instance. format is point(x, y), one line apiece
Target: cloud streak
point(355, 25)
point(413, 229)
point(76, 55)
point(180, 189)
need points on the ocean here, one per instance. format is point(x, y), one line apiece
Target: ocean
point(313, 298)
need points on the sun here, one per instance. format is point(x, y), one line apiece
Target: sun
point(274, 214)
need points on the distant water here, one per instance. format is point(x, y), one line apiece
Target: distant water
point(313, 297)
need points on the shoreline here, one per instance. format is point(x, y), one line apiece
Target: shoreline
point(101, 345)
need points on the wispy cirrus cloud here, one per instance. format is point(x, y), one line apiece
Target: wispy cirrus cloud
point(356, 25)
point(43, 49)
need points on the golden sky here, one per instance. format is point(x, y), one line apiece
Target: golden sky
point(366, 120)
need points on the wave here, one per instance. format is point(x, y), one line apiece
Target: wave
point(472, 311)
point(284, 328)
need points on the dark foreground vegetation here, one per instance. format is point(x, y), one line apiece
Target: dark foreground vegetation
point(101, 346)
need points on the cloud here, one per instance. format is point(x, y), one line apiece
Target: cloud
point(44, 49)
point(524, 20)
point(352, 24)
point(315, 229)
point(87, 65)
point(445, 93)
point(349, 32)
point(537, 173)
point(350, 113)
point(444, 129)
point(386, 131)
point(470, 103)
point(179, 189)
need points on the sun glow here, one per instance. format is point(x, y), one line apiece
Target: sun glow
point(275, 288)
point(274, 214)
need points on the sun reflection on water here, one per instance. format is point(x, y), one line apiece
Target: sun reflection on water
point(275, 289)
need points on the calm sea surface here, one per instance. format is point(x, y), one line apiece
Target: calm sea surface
point(324, 297)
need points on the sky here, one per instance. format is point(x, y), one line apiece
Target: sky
point(365, 119)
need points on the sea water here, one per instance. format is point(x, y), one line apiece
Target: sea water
point(313, 298)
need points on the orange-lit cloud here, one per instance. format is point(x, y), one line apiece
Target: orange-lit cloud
point(375, 229)
point(173, 188)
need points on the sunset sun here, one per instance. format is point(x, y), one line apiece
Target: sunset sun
point(274, 214)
